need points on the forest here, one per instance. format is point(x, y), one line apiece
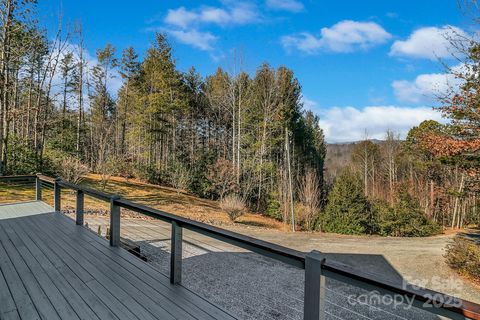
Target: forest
point(228, 136)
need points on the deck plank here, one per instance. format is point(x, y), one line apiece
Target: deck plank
point(93, 301)
point(57, 299)
point(68, 291)
point(19, 294)
point(149, 275)
point(145, 303)
point(7, 305)
point(52, 269)
point(38, 296)
point(95, 282)
point(12, 315)
point(23, 209)
point(150, 285)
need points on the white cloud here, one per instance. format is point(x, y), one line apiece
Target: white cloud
point(197, 39)
point(243, 13)
point(287, 5)
point(430, 43)
point(180, 17)
point(344, 36)
point(427, 87)
point(347, 35)
point(344, 124)
point(214, 15)
point(185, 24)
point(238, 13)
point(309, 104)
point(304, 42)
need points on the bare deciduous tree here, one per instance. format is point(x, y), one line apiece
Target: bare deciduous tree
point(310, 195)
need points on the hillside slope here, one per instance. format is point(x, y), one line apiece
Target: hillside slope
point(163, 198)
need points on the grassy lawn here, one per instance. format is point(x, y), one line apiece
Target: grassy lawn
point(164, 198)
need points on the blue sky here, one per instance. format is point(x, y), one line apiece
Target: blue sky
point(363, 65)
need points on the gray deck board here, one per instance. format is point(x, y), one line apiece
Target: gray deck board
point(108, 302)
point(38, 296)
point(111, 282)
point(23, 209)
point(12, 315)
point(114, 281)
point(174, 298)
point(147, 274)
point(69, 292)
point(19, 294)
point(57, 299)
point(7, 305)
point(52, 269)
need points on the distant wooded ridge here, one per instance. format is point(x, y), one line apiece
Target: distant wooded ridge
point(355, 142)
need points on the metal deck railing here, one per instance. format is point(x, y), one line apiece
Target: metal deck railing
point(316, 267)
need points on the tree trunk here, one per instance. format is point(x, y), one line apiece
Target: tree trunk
point(455, 208)
point(290, 187)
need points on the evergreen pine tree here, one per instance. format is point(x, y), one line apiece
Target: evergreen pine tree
point(348, 210)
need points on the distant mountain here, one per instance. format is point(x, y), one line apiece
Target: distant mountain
point(339, 155)
point(355, 142)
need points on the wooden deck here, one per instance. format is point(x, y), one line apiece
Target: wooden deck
point(51, 268)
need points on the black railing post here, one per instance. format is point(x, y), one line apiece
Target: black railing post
point(79, 208)
point(114, 222)
point(176, 254)
point(314, 296)
point(38, 188)
point(57, 195)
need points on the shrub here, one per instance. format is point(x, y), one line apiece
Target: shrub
point(21, 159)
point(199, 184)
point(72, 169)
point(306, 217)
point(234, 206)
point(405, 218)
point(124, 168)
point(274, 206)
point(151, 174)
point(179, 176)
point(107, 169)
point(463, 255)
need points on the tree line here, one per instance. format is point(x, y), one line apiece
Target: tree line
point(226, 134)
point(399, 187)
point(229, 132)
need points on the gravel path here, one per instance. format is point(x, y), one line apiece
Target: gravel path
point(254, 287)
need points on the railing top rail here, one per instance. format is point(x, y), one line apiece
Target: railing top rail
point(26, 176)
point(284, 254)
point(431, 297)
point(45, 178)
point(88, 191)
